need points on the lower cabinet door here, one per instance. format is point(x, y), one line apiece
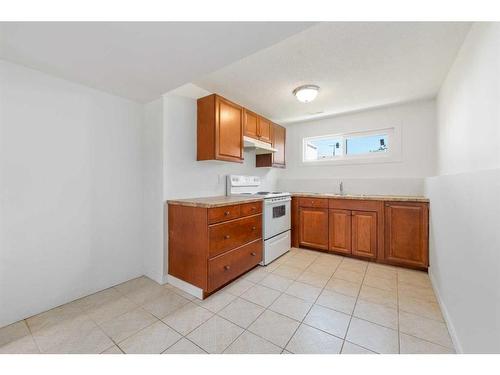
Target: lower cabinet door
point(340, 231)
point(232, 264)
point(313, 225)
point(364, 234)
point(406, 233)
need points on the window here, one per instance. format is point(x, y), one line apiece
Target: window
point(348, 146)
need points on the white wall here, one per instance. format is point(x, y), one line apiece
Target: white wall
point(465, 200)
point(416, 123)
point(153, 190)
point(70, 191)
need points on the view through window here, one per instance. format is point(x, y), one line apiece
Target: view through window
point(342, 146)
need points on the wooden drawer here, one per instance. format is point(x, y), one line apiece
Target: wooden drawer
point(227, 236)
point(313, 202)
point(253, 208)
point(232, 264)
point(356, 204)
point(219, 214)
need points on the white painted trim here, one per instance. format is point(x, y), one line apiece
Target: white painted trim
point(186, 287)
point(446, 315)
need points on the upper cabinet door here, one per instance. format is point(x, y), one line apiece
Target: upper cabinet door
point(229, 130)
point(364, 234)
point(264, 130)
point(251, 124)
point(279, 136)
point(406, 233)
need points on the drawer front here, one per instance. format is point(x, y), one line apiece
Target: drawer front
point(219, 214)
point(253, 208)
point(227, 236)
point(232, 264)
point(313, 202)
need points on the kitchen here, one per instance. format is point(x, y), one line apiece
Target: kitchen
point(320, 205)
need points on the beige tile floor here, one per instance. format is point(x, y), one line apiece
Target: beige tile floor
point(305, 302)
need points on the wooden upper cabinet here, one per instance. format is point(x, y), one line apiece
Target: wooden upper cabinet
point(251, 124)
point(275, 159)
point(406, 233)
point(313, 227)
point(257, 127)
point(264, 130)
point(220, 129)
point(340, 231)
point(279, 137)
point(364, 234)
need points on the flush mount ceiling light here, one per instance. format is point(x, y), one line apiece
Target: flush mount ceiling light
point(306, 93)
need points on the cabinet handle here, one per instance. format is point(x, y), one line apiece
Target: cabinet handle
point(253, 208)
point(253, 254)
point(253, 228)
point(227, 236)
point(226, 213)
point(227, 268)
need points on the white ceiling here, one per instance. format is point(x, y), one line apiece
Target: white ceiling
point(136, 60)
point(357, 65)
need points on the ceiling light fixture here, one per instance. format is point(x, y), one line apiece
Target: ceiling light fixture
point(306, 93)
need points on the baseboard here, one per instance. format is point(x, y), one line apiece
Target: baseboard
point(186, 287)
point(446, 315)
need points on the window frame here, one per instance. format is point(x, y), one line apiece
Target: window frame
point(391, 155)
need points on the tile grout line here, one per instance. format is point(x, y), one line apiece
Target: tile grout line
point(354, 308)
point(312, 305)
point(32, 336)
point(397, 306)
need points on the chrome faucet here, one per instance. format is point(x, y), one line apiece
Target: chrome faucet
point(341, 188)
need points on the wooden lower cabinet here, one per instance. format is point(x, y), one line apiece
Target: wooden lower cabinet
point(364, 234)
point(340, 231)
point(313, 227)
point(406, 234)
point(392, 232)
point(209, 247)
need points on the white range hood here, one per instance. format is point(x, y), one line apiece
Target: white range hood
point(259, 146)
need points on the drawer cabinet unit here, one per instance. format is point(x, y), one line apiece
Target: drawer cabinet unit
point(209, 247)
point(406, 233)
point(219, 129)
point(313, 227)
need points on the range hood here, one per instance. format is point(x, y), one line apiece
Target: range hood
point(259, 146)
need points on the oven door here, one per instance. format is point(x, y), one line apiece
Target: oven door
point(277, 218)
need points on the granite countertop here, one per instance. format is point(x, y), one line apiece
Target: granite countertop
point(385, 198)
point(211, 202)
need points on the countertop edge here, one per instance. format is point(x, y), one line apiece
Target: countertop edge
point(202, 202)
point(383, 198)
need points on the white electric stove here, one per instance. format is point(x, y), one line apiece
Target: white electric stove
point(276, 215)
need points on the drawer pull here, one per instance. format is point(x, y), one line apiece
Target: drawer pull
point(227, 213)
point(253, 254)
point(254, 228)
point(227, 236)
point(227, 268)
point(253, 208)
